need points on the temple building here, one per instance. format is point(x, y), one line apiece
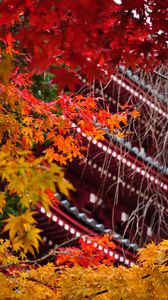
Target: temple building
point(121, 183)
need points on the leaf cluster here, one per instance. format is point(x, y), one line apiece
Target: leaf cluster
point(148, 279)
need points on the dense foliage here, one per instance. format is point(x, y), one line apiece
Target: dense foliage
point(80, 35)
point(44, 45)
point(28, 280)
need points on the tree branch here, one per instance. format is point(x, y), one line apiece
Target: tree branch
point(40, 282)
point(161, 75)
point(41, 259)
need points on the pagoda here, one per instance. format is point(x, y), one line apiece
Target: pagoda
point(121, 183)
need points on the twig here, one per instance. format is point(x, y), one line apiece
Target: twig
point(41, 259)
point(161, 75)
point(40, 282)
point(52, 253)
point(24, 115)
point(101, 292)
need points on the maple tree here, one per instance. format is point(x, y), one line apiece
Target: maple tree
point(23, 279)
point(58, 40)
point(36, 127)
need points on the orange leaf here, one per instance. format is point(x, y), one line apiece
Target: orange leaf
point(135, 114)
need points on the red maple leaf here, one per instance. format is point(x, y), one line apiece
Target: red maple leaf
point(52, 197)
point(65, 79)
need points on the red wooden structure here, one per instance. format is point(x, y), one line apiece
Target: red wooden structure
point(122, 184)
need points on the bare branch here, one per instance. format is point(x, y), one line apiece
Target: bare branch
point(43, 258)
point(161, 75)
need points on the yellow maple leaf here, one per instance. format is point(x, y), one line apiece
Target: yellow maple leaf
point(22, 232)
point(27, 131)
point(64, 186)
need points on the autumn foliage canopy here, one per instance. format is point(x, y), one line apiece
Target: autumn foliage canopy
point(79, 281)
point(61, 40)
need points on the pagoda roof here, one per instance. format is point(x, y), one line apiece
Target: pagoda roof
point(59, 226)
